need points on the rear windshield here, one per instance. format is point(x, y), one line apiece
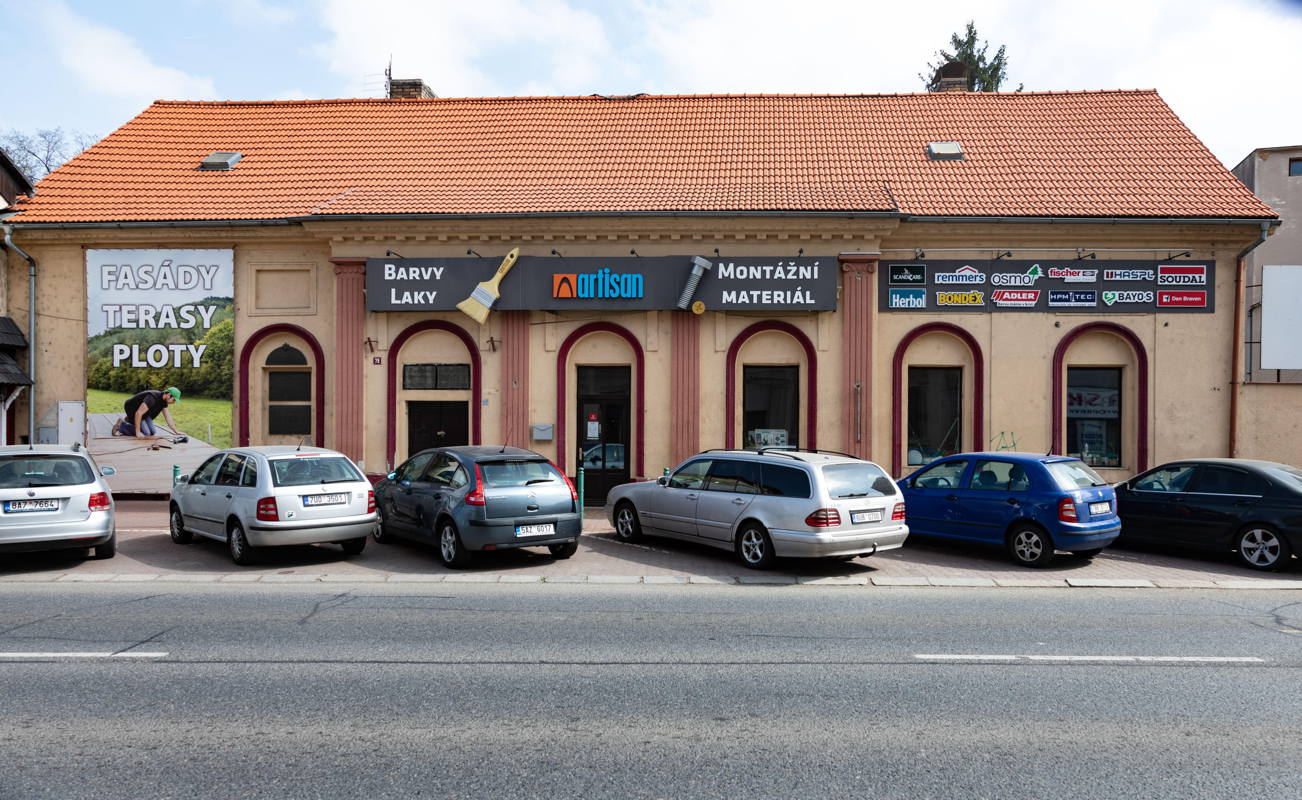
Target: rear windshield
point(1074, 475)
point(27, 471)
point(857, 480)
point(1290, 476)
point(519, 473)
point(306, 470)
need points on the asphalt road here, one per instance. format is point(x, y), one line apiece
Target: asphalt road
point(552, 691)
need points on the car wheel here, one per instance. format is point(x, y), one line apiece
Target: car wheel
point(1030, 546)
point(451, 550)
point(1087, 554)
point(564, 550)
point(176, 527)
point(238, 545)
point(109, 548)
point(353, 546)
point(628, 528)
point(1261, 547)
point(754, 547)
point(380, 534)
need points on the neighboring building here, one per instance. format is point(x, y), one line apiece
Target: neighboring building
point(13, 344)
point(894, 276)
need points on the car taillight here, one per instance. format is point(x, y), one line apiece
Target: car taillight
point(267, 511)
point(1067, 509)
point(475, 497)
point(898, 513)
point(574, 493)
point(100, 502)
point(823, 518)
point(370, 502)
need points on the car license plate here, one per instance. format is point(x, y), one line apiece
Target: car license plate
point(1098, 509)
point(535, 530)
point(859, 517)
point(14, 506)
point(324, 499)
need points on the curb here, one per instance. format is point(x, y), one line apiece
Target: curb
point(654, 580)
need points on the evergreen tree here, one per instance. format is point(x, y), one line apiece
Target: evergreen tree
point(984, 75)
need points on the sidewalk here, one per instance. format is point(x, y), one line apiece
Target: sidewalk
point(147, 554)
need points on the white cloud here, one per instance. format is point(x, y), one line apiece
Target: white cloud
point(109, 62)
point(488, 47)
point(259, 12)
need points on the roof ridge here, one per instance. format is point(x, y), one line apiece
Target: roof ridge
point(646, 96)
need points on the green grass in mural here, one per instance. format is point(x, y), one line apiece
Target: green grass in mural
point(193, 414)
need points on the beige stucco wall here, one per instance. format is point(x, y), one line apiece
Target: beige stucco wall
point(284, 276)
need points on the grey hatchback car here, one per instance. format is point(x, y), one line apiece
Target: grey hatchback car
point(469, 499)
point(768, 503)
point(53, 498)
point(253, 497)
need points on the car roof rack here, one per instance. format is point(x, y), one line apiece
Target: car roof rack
point(763, 451)
point(767, 450)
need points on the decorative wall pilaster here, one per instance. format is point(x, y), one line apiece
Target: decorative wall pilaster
point(350, 331)
point(857, 270)
point(515, 377)
point(685, 386)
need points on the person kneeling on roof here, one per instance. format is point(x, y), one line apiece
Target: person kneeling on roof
point(142, 408)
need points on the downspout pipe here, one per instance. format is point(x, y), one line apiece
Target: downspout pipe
point(31, 329)
point(1236, 355)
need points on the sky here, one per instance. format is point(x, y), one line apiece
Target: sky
point(1227, 67)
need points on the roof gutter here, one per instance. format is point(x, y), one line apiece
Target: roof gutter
point(215, 223)
point(31, 329)
point(1272, 221)
point(1236, 354)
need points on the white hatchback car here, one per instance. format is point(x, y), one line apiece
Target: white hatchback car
point(252, 497)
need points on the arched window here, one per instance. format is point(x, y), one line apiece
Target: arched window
point(288, 379)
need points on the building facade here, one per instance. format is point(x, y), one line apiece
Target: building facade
point(896, 277)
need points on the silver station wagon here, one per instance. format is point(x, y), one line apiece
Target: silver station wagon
point(253, 497)
point(768, 503)
point(53, 498)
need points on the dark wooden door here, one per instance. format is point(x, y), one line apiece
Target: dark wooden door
point(437, 424)
point(605, 446)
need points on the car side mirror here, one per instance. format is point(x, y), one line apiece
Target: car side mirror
point(107, 472)
point(663, 480)
point(183, 479)
point(391, 475)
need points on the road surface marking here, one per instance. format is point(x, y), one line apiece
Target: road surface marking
point(1095, 659)
point(133, 654)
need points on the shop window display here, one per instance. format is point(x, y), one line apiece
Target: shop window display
point(1094, 415)
point(935, 413)
point(771, 406)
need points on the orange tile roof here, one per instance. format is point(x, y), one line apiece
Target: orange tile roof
point(1073, 154)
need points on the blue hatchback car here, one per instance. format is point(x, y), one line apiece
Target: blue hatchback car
point(1032, 504)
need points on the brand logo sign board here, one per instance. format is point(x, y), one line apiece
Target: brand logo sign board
point(1072, 286)
point(628, 283)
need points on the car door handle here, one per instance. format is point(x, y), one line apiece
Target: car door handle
point(691, 496)
point(205, 494)
point(951, 497)
point(229, 495)
point(1012, 501)
point(738, 501)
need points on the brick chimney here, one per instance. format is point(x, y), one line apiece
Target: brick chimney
point(952, 77)
point(409, 89)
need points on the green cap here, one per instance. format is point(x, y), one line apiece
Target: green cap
point(174, 392)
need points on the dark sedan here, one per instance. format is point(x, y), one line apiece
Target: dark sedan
point(1251, 507)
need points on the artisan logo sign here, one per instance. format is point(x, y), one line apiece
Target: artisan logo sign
point(908, 274)
point(600, 285)
point(1074, 275)
point(960, 298)
point(1182, 299)
point(1073, 298)
point(1027, 278)
point(908, 298)
point(1112, 298)
point(964, 274)
point(1015, 298)
point(1181, 275)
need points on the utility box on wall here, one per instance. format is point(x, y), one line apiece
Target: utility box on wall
point(64, 423)
point(542, 433)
